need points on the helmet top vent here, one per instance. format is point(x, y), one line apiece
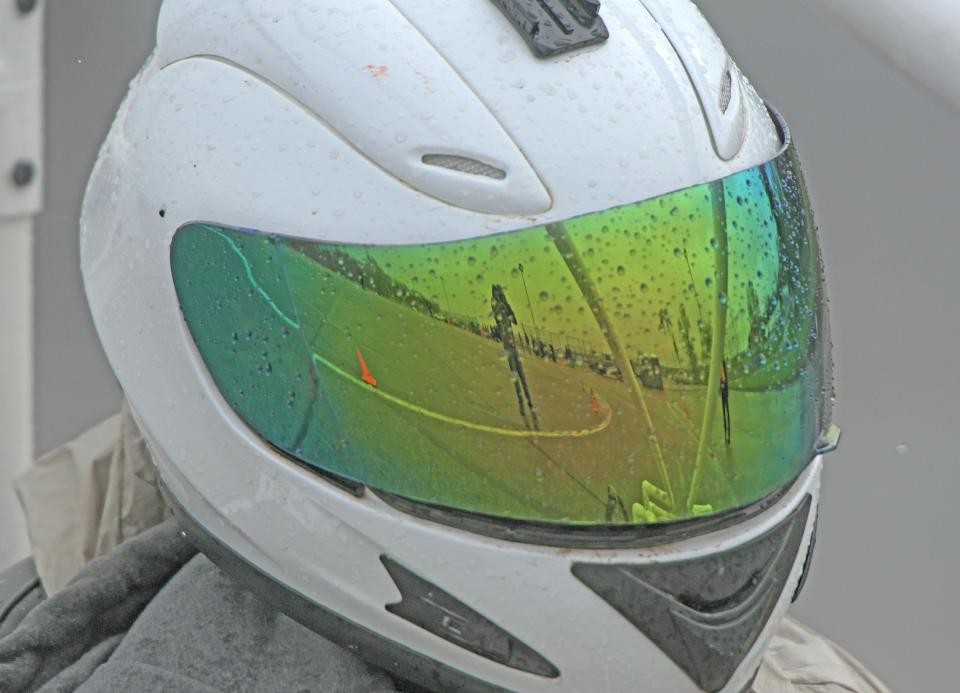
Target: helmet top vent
point(464, 164)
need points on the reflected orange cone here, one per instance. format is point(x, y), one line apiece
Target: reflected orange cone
point(595, 403)
point(366, 375)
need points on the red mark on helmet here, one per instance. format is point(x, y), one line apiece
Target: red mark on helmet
point(425, 80)
point(377, 70)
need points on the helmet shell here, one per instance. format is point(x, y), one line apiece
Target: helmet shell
point(313, 119)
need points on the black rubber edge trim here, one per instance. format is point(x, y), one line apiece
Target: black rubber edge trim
point(401, 662)
point(576, 536)
point(552, 27)
point(354, 488)
point(808, 561)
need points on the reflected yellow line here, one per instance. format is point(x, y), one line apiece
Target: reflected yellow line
point(511, 432)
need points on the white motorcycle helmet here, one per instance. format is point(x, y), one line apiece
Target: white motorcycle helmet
point(487, 339)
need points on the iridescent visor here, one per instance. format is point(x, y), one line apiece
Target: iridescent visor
point(650, 363)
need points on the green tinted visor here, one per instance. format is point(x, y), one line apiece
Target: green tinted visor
point(646, 364)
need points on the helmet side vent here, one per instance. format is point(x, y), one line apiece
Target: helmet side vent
point(464, 164)
point(712, 72)
point(726, 91)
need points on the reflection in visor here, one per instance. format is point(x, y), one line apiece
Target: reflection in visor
point(650, 363)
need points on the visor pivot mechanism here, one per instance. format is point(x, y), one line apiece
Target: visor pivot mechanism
point(829, 440)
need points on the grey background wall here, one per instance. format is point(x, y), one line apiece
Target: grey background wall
point(882, 159)
point(881, 156)
point(93, 49)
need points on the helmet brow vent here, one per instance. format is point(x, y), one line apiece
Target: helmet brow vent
point(464, 164)
point(726, 91)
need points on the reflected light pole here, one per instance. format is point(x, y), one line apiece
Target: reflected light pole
point(447, 297)
point(693, 283)
point(533, 316)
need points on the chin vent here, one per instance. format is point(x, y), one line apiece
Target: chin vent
point(463, 164)
point(707, 613)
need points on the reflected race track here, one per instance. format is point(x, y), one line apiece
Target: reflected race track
point(423, 411)
point(516, 433)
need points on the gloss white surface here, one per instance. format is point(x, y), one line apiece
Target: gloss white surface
point(273, 116)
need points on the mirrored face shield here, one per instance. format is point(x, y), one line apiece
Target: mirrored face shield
point(642, 365)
